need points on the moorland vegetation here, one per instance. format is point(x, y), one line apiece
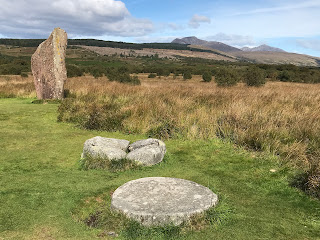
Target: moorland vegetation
point(266, 109)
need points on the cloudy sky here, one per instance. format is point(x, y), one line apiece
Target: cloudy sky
point(293, 25)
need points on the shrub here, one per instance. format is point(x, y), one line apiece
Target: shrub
point(13, 70)
point(24, 75)
point(152, 75)
point(272, 74)
point(104, 115)
point(187, 75)
point(112, 74)
point(166, 73)
point(226, 77)
point(122, 77)
point(255, 77)
point(308, 181)
point(207, 77)
point(96, 72)
point(285, 76)
point(164, 130)
point(134, 80)
point(123, 69)
point(74, 71)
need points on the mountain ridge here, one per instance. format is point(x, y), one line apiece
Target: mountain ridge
point(211, 44)
point(262, 48)
point(224, 47)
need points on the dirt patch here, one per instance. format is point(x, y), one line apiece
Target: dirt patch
point(162, 53)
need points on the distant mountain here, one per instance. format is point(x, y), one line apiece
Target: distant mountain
point(263, 54)
point(262, 48)
point(210, 44)
point(189, 41)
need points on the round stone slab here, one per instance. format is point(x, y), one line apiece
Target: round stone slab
point(162, 200)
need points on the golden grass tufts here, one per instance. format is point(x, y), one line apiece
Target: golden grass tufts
point(16, 86)
point(281, 118)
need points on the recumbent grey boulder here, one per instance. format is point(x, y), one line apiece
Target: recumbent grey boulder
point(147, 152)
point(109, 148)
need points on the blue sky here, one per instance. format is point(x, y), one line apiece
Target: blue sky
point(288, 24)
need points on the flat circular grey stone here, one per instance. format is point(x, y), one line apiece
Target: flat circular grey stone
point(162, 200)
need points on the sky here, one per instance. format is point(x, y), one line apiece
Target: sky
point(293, 25)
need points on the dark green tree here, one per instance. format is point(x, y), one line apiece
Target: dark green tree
point(285, 76)
point(152, 75)
point(206, 76)
point(187, 75)
point(255, 76)
point(226, 77)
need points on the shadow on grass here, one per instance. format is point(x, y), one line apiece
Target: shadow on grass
point(307, 182)
point(101, 163)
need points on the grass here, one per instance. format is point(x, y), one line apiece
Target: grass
point(102, 163)
point(16, 86)
point(42, 187)
point(280, 118)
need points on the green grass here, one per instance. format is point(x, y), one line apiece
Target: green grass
point(41, 186)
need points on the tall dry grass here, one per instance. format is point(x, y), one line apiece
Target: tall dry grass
point(281, 118)
point(16, 86)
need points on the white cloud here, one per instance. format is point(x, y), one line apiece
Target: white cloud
point(197, 19)
point(37, 18)
point(313, 44)
point(271, 19)
point(91, 8)
point(294, 23)
point(283, 8)
point(233, 39)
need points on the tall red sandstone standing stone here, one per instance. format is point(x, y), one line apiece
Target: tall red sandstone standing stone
point(48, 66)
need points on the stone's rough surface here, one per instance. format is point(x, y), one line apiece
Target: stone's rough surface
point(110, 148)
point(147, 152)
point(160, 201)
point(48, 66)
point(148, 155)
point(108, 142)
point(146, 142)
point(105, 153)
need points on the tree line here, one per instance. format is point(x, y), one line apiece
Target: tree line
point(225, 73)
point(102, 43)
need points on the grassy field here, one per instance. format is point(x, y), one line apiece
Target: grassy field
point(41, 185)
point(279, 118)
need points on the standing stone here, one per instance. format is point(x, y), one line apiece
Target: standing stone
point(48, 66)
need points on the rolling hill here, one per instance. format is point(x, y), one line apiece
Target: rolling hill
point(190, 47)
point(278, 58)
point(210, 44)
point(262, 54)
